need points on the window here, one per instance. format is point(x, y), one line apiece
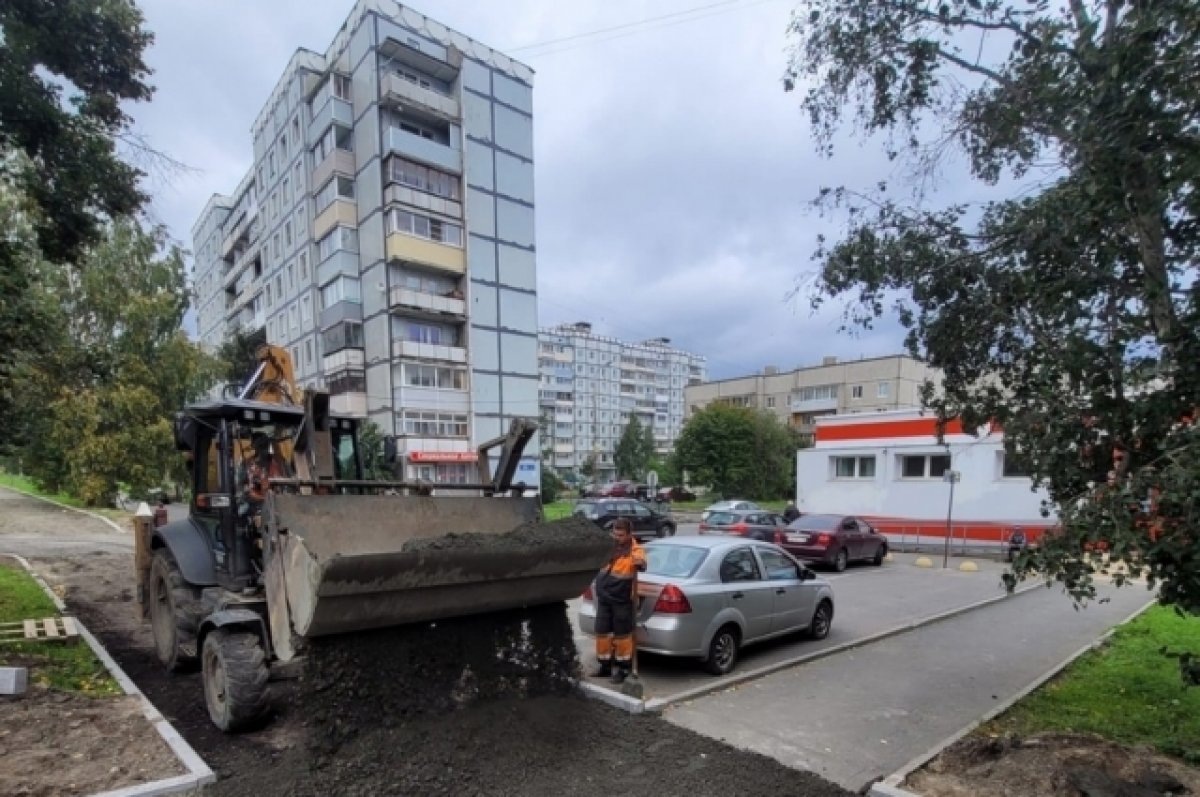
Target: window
point(739, 565)
point(423, 282)
point(285, 190)
point(291, 277)
point(336, 137)
point(818, 393)
point(770, 402)
point(294, 318)
point(434, 424)
point(352, 381)
point(427, 332)
point(856, 392)
point(778, 566)
point(267, 294)
point(287, 234)
point(338, 188)
point(924, 466)
point(339, 238)
point(1010, 467)
point(341, 87)
point(403, 221)
point(306, 311)
point(883, 390)
point(300, 224)
point(308, 353)
point(853, 467)
point(304, 268)
point(424, 178)
point(434, 376)
point(342, 289)
point(346, 335)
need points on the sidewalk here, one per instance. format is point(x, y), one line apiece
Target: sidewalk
point(862, 714)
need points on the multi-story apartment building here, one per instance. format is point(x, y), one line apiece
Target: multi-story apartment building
point(592, 385)
point(800, 396)
point(385, 236)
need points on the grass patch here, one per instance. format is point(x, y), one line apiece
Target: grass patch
point(558, 510)
point(67, 666)
point(25, 484)
point(1128, 691)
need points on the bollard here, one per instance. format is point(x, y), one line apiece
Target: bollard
point(143, 527)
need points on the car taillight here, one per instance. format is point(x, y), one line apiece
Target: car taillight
point(778, 537)
point(703, 527)
point(672, 601)
point(588, 595)
point(740, 528)
point(823, 539)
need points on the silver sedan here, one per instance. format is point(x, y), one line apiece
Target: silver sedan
point(706, 597)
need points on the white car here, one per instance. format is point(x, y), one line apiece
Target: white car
point(727, 506)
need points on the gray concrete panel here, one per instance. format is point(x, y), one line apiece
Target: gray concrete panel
point(481, 213)
point(517, 268)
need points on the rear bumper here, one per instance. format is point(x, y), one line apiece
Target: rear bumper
point(664, 635)
point(809, 553)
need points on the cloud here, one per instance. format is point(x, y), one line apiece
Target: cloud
point(673, 173)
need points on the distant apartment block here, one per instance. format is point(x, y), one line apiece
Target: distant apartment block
point(385, 236)
point(800, 396)
point(591, 386)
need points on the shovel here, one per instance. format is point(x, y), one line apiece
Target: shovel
point(632, 685)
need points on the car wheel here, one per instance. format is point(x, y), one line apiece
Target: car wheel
point(235, 676)
point(841, 560)
point(173, 614)
point(880, 553)
point(822, 620)
point(666, 530)
point(723, 650)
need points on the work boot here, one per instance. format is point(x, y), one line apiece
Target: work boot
point(619, 674)
point(601, 670)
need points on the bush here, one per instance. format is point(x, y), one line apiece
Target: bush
point(551, 486)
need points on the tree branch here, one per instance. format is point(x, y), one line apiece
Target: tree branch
point(1082, 22)
point(991, 74)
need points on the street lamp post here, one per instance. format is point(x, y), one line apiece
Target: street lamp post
point(951, 476)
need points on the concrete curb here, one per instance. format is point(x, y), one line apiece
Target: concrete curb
point(199, 773)
point(614, 699)
point(656, 705)
point(101, 518)
point(890, 786)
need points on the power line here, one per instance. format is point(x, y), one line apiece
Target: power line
point(623, 26)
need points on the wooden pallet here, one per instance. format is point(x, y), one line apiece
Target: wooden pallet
point(50, 629)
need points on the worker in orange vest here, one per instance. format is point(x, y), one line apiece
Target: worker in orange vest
point(616, 599)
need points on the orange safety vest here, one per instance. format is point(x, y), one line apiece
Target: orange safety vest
point(615, 582)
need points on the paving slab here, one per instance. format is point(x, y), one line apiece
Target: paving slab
point(864, 713)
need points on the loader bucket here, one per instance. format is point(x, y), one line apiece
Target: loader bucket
point(356, 562)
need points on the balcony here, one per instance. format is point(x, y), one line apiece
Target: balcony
point(340, 211)
point(403, 92)
point(352, 404)
point(240, 232)
point(346, 358)
point(813, 405)
point(337, 162)
point(426, 253)
point(429, 351)
point(564, 448)
point(341, 262)
point(334, 110)
point(422, 149)
point(407, 299)
point(402, 194)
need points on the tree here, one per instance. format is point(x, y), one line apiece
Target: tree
point(96, 406)
point(238, 356)
point(551, 486)
point(588, 469)
point(370, 448)
point(1068, 312)
point(66, 68)
point(738, 451)
point(634, 450)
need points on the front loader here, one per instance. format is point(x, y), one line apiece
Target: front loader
point(241, 585)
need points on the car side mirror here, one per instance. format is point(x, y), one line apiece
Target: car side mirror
point(806, 574)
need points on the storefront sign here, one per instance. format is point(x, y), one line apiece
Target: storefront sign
point(442, 456)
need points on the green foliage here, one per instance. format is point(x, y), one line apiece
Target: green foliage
point(588, 469)
point(1124, 691)
point(667, 469)
point(552, 486)
point(95, 407)
point(739, 452)
point(370, 445)
point(1070, 312)
point(633, 452)
point(238, 357)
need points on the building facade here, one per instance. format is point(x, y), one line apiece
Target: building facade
point(801, 396)
point(891, 469)
point(385, 236)
point(591, 386)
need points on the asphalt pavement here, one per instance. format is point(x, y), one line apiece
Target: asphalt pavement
point(864, 713)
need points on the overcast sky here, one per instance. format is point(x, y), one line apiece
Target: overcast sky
point(673, 172)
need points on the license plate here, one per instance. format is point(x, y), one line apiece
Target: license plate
point(799, 539)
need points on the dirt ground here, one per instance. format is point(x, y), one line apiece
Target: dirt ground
point(380, 717)
point(54, 744)
point(1051, 765)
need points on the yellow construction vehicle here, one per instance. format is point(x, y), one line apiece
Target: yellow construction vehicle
point(286, 540)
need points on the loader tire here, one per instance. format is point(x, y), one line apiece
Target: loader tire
point(235, 679)
point(174, 605)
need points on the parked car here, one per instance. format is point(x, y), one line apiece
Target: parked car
point(622, 489)
point(675, 494)
point(708, 597)
point(646, 521)
point(727, 505)
point(834, 540)
point(756, 524)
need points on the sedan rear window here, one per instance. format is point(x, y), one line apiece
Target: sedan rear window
point(722, 518)
point(673, 561)
point(817, 522)
point(588, 510)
